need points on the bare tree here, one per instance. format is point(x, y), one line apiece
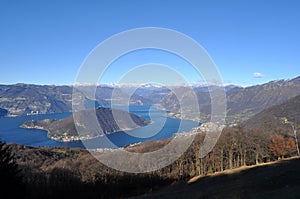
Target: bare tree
point(294, 127)
point(281, 146)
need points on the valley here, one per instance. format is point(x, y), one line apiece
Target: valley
point(261, 126)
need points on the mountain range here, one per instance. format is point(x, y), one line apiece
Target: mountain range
point(22, 99)
point(242, 102)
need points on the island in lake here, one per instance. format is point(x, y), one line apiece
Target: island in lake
point(109, 121)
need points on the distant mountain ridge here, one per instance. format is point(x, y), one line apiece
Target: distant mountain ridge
point(242, 103)
point(22, 99)
point(256, 98)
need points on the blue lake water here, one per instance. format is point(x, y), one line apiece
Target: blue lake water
point(161, 128)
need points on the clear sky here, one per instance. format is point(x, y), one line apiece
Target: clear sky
point(250, 41)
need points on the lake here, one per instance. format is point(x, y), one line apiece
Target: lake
point(162, 127)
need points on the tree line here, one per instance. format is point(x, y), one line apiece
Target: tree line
point(236, 147)
point(77, 174)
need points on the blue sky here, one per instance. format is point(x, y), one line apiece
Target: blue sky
point(45, 42)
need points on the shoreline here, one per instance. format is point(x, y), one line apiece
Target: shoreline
point(72, 138)
point(75, 138)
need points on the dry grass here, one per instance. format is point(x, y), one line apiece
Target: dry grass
point(278, 179)
point(239, 169)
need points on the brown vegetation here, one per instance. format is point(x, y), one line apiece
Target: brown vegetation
point(278, 179)
point(281, 146)
point(72, 173)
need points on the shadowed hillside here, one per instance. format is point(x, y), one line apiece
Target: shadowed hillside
point(242, 103)
point(277, 116)
point(275, 180)
point(110, 120)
